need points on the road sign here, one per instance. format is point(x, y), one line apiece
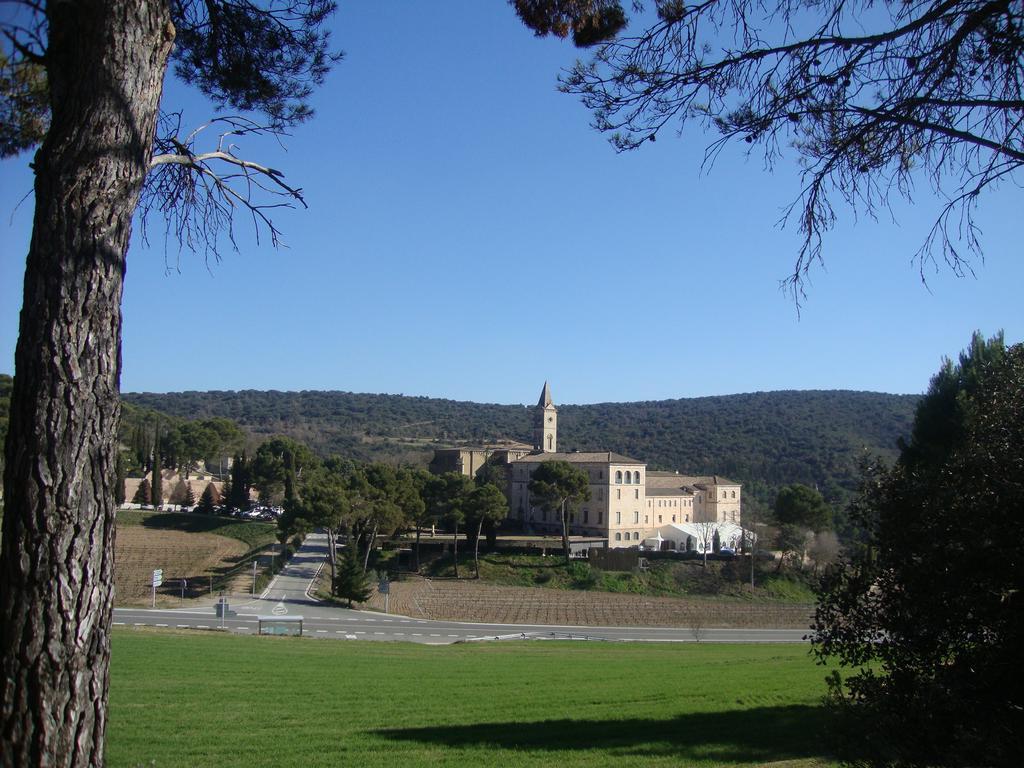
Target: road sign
point(384, 586)
point(158, 577)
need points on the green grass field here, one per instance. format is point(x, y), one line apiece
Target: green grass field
point(195, 699)
point(252, 533)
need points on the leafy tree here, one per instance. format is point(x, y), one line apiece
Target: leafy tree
point(446, 497)
point(208, 500)
point(554, 487)
point(104, 63)
point(143, 494)
point(276, 467)
point(485, 504)
point(803, 507)
point(412, 483)
point(930, 89)
point(323, 504)
point(351, 582)
point(929, 614)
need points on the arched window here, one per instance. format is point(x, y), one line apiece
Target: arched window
point(550, 438)
point(618, 537)
point(629, 478)
point(618, 477)
point(636, 478)
point(734, 494)
point(636, 535)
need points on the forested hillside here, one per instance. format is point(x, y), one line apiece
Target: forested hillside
point(763, 439)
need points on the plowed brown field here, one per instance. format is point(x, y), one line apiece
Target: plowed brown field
point(140, 550)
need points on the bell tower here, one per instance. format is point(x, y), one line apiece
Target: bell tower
point(545, 423)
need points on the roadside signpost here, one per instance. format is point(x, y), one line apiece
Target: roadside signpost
point(384, 587)
point(158, 579)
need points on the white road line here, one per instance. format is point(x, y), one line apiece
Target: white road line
point(139, 624)
point(379, 633)
point(322, 631)
point(201, 626)
point(452, 635)
point(360, 633)
point(417, 634)
point(399, 634)
point(161, 625)
point(433, 634)
point(121, 623)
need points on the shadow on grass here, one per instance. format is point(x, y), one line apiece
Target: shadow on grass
point(182, 521)
point(758, 735)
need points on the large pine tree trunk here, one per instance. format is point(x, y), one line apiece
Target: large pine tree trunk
point(105, 66)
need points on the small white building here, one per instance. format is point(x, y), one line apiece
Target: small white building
point(694, 537)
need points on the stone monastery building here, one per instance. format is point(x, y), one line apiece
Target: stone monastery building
point(629, 504)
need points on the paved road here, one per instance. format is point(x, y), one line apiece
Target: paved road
point(287, 596)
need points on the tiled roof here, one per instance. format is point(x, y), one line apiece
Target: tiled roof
point(580, 457)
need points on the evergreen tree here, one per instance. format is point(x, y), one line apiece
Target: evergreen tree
point(157, 484)
point(119, 480)
point(351, 583)
point(928, 616)
point(190, 496)
point(208, 501)
point(144, 494)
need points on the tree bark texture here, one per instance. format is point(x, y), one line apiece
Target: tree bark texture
point(105, 63)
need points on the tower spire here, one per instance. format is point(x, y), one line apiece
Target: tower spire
point(545, 423)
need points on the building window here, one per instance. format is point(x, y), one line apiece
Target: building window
point(687, 518)
point(646, 519)
point(586, 515)
point(636, 493)
point(723, 494)
point(629, 478)
point(618, 477)
point(618, 537)
point(636, 518)
point(659, 518)
point(600, 474)
point(618, 518)
point(734, 494)
point(636, 478)
point(600, 516)
point(673, 518)
point(636, 535)
point(618, 493)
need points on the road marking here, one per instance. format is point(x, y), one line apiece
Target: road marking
point(360, 633)
point(317, 617)
point(280, 609)
point(432, 634)
point(417, 634)
point(452, 635)
point(399, 634)
point(350, 637)
point(183, 626)
point(161, 625)
point(121, 623)
point(322, 631)
point(201, 626)
point(139, 624)
point(379, 633)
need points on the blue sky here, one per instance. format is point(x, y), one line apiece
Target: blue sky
point(469, 236)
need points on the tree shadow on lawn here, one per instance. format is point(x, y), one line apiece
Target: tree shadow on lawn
point(759, 735)
point(187, 523)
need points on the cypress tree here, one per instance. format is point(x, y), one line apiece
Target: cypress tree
point(119, 480)
point(208, 501)
point(143, 495)
point(190, 496)
point(157, 484)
